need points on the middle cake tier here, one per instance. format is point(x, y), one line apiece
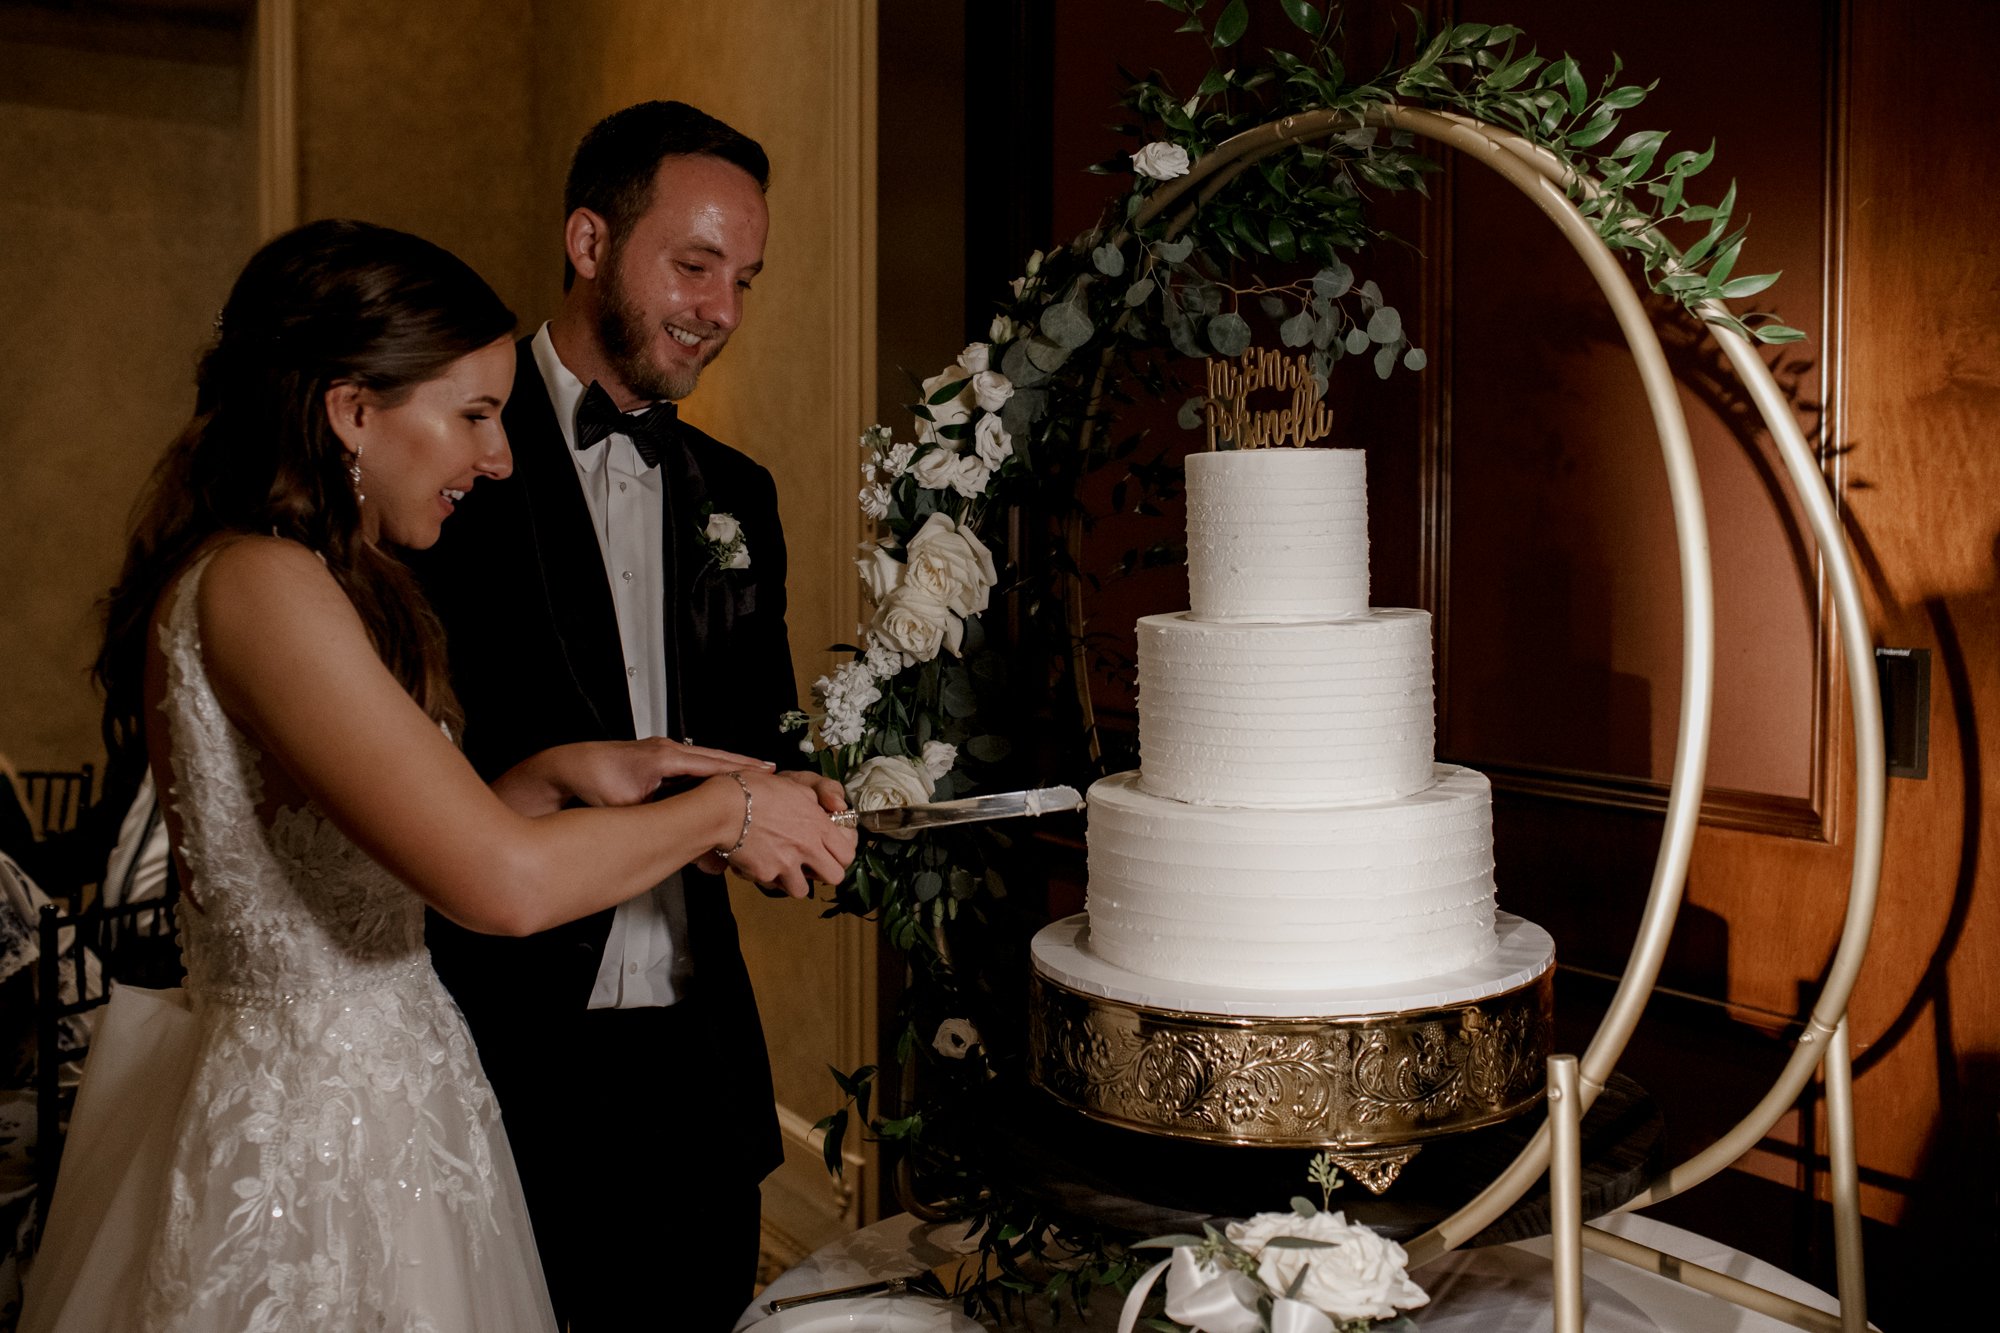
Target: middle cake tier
point(1286, 714)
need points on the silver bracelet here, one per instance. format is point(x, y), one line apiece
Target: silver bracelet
point(748, 805)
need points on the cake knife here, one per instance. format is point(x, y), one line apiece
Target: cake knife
point(905, 821)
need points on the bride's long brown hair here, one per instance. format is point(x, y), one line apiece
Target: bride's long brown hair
point(327, 303)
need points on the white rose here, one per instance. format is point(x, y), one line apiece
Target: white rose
point(1162, 161)
point(952, 411)
point(937, 469)
point(991, 390)
point(881, 573)
point(1360, 1275)
point(951, 564)
point(937, 758)
point(976, 357)
point(971, 477)
point(955, 1036)
point(722, 529)
point(991, 441)
point(875, 501)
point(887, 781)
point(916, 625)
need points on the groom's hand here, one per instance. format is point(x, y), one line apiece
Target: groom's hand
point(832, 796)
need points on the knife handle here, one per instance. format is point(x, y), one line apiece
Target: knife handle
point(847, 818)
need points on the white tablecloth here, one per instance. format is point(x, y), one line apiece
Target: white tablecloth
point(1502, 1289)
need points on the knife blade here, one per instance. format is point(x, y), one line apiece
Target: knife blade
point(907, 820)
point(952, 1278)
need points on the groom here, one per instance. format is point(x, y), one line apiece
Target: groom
point(594, 595)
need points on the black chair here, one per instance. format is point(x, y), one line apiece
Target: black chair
point(133, 943)
point(56, 799)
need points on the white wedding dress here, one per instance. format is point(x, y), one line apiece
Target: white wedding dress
point(301, 1138)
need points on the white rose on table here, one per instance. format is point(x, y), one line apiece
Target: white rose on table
point(1162, 161)
point(937, 758)
point(991, 441)
point(916, 625)
point(938, 469)
point(887, 781)
point(991, 390)
point(881, 573)
point(976, 357)
point(951, 564)
point(1358, 1275)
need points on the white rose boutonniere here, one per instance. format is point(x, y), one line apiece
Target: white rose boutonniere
point(887, 781)
point(723, 536)
point(1162, 161)
point(951, 564)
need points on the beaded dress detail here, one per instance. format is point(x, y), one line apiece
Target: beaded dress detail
point(336, 1159)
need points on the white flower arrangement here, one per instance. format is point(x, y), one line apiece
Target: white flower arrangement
point(723, 536)
point(1306, 1271)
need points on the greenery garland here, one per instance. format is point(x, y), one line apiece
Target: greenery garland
point(925, 708)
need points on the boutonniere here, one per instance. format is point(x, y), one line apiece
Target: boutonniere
point(723, 536)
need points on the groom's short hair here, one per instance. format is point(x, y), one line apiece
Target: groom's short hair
point(612, 172)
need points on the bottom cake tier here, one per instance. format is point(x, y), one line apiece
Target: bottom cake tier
point(1371, 893)
point(1371, 1074)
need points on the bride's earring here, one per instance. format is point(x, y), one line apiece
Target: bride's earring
point(354, 475)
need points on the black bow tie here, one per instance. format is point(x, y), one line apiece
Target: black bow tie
point(598, 417)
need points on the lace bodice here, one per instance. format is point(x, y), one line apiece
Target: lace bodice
point(338, 1160)
point(289, 908)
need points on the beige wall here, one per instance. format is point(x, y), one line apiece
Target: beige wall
point(123, 218)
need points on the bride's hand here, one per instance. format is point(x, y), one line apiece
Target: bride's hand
point(610, 773)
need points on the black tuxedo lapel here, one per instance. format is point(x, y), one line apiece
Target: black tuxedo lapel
point(574, 584)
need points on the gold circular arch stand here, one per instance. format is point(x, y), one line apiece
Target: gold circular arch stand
point(1575, 1083)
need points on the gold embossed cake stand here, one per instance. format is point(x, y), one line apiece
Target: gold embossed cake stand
point(1369, 1075)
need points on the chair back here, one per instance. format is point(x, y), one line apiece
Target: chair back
point(81, 953)
point(54, 800)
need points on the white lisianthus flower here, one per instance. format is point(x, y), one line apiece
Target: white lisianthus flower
point(976, 357)
point(874, 499)
point(937, 469)
point(881, 573)
point(991, 441)
point(916, 625)
point(991, 390)
point(954, 410)
point(1004, 329)
point(950, 563)
point(937, 758)
point(971, 476)
point(897, 460)
point(1162, 161)
point(955, 1036)
point(1357, 1275)
point(887, 781)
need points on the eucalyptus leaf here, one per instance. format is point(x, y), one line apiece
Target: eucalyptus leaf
point(1385, 360)
point(1385, 325)
point(1190, 415)
point(1175, 251)
point(989, 749)
point(1020, 369)
point(1415, 359)
point(1356, 341)
point(1023, 409)
point(1108, 260)
point(1229, 333)
point(1136, 294)
point(1047, 355)
point(1333, 281)
point(1203, 298)
point(1296, 331)
point(1067, 326)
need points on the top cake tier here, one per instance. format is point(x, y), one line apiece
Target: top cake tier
point(1277, 534)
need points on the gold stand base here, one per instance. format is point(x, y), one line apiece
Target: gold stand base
point(1371, 1088)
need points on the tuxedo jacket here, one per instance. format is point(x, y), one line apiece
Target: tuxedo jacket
point(519, 581)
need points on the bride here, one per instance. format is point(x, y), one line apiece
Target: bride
point(302, 1138)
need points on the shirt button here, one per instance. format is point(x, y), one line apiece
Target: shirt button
point(626, 575)
point(632, 969)
point(630, 672)
point(621, 487)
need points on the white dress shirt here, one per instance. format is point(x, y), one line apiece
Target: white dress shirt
point(645, 959)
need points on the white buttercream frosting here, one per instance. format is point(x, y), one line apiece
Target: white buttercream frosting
point(1294, 714)
point(1277, 534)
point(1371, 894)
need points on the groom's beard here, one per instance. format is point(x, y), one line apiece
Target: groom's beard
point(624, 332)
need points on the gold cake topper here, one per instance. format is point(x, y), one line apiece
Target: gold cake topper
point(1230, 384)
